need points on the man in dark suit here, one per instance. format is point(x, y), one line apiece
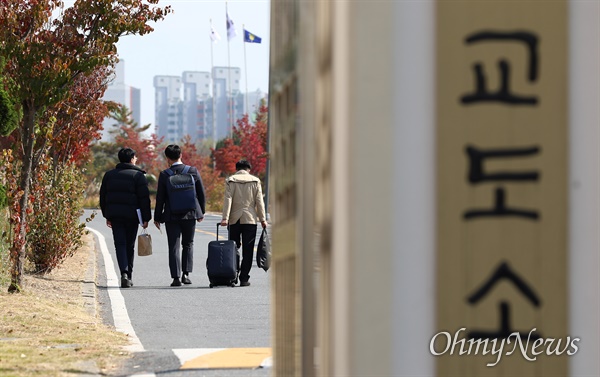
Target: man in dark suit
point(124, 190)
point(179, 224)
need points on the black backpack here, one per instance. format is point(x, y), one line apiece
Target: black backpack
point(181, 190)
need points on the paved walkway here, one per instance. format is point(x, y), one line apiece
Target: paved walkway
point(157, 351)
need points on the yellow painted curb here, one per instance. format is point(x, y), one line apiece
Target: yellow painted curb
point(230, 358)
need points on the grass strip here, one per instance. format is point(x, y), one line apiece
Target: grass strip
point(46, 331)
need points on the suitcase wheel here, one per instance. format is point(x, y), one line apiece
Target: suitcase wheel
point(232, 285)
point(210, 285)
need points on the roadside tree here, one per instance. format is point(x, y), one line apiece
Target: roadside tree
point(249, 141)
point(129, 134)
point(125, 132)
point(195, 155)
point(226, 156)
point(47, 48)
point(55, 231)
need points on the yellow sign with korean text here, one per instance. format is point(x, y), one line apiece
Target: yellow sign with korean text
point(501, 304)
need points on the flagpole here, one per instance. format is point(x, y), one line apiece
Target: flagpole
point(230, 99)
point(245, 71)
point(212, 79)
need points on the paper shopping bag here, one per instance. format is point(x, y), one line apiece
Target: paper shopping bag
point(144, 244)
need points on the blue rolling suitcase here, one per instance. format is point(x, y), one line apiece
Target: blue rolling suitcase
point(222, 262)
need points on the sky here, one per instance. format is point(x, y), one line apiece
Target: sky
point(181, 42)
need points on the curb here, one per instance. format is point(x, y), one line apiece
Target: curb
point(89, 368)
point(88, 285)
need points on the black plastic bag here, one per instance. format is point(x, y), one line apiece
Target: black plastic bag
point(263, 252)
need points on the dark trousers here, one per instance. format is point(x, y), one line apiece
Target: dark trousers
point(247, 232)
point(124, 235)
point(180, 235)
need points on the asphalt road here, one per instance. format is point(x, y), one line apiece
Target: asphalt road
point(192, 318)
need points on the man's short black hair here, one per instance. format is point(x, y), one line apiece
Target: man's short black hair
point(173, 152)
point(243, 164)
point(126, 155)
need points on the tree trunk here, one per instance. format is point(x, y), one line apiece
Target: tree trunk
point(17, 250)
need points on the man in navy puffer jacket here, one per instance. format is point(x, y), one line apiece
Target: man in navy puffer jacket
point(124, 190)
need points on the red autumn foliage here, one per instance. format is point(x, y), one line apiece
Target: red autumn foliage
point(214, 185)
point(249, 142)
point(226, 156)
point(46, 48)
point(78, 119)
point(190, 154)
point(146, 149)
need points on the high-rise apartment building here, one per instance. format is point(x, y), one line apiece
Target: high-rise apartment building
point(189, 109)
point(196, 94)
point(168, 108)
point(118, 91)
point(252, 102)
point(229, 102)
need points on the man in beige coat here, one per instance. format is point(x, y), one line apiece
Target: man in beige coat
point(243, 204)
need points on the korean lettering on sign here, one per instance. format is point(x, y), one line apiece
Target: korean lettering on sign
point(477, 173)
point(501, 126)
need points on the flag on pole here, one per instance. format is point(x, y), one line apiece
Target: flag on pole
point(251, 38)
point(214, 36)
point(230, 28)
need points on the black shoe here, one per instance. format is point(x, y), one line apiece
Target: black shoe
point(125, 282)
point(185, 279)
point(176, 283)
point(244, 283)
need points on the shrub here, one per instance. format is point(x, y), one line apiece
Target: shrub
point(215, 194)
point(55, 231)
point(91, 202)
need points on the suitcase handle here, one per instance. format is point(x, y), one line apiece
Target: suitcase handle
point(218, 224)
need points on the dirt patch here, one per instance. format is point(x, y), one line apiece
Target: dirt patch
point(46, 330)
